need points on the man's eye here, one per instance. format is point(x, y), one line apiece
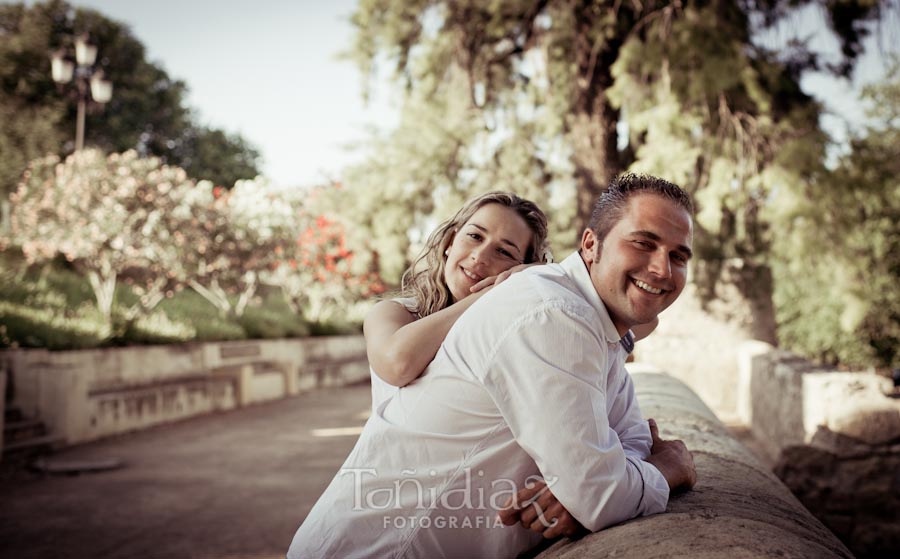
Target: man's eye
point(644, 245)
point(505, 253)
point(680, 258)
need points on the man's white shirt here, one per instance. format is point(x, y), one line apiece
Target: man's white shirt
point(530, 382)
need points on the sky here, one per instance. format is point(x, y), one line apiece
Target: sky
point(268, 69)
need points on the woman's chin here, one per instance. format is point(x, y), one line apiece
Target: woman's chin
point(458, 292)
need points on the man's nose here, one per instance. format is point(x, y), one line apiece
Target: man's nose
point(660, 265)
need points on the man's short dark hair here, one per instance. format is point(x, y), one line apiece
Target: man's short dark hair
point(610, 206)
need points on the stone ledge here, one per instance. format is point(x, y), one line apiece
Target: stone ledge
point(738, 508)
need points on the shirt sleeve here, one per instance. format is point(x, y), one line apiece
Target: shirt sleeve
point(626, 420)
point(548, 377)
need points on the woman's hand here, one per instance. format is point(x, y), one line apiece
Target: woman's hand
point(499, 278)
point(538, 510)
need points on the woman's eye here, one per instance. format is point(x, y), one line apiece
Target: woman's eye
point(475, 236)
point(505, 253)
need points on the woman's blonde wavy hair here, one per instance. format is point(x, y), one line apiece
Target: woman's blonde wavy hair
point(424, 280)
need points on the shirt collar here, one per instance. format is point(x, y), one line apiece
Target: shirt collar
point(576, 269)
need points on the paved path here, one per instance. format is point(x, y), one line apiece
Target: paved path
point(227, 486)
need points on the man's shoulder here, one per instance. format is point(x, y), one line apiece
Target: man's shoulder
point(546, 284)
point(530, 293)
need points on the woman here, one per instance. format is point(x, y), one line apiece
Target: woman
point(490, 237)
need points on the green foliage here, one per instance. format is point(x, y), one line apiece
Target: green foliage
point(273, 319)
point(188, 307)
point(532, 97)
point(46, 306)
point(216, 156)
point(26, 133)
point(528, 96)
point(837, 262)
point(50, 306)
point(147, 112)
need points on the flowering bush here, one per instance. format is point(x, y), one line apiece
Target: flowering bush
point(238, 234)
point(122, 217)
point(316, 274)
point(106, 215)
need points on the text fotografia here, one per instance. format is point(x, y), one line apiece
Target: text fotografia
point(442, 522)
point(409, 492)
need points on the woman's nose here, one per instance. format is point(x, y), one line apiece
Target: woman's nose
point(478, 255)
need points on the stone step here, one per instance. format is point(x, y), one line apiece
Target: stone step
point(31, 446)
point(23, 429)
point(12, 413)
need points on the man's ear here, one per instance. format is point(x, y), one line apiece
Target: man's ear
point(589, 246)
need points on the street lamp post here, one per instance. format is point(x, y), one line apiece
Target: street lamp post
point(89, 80)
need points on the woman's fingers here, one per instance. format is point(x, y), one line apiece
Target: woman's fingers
point(548, 518)
point(499, 278)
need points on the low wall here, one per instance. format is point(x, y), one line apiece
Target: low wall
point(835, 440)
point(85, 395)
point(737, 509)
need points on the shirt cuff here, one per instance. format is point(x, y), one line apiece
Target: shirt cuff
point(655, 495)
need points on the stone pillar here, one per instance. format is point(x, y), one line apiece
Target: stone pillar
point(290, 371)
point(244, 385)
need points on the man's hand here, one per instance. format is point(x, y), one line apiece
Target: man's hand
point(499, 278)
point(537, 509)
point(673, 460)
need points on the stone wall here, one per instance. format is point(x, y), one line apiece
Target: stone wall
point(85, 395)
point(835, 437)
point(737, 509)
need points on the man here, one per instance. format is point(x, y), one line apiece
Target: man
point(529, 383)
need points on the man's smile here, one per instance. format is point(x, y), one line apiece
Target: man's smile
point(647, 287)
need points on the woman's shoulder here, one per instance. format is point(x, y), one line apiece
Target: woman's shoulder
point(401, 309)
point(408, 303)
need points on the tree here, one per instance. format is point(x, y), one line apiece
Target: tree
point(539, 94)
point(216, 156)
point(837, 262)
point(232, 237)
point(147, 111)
point(109, 217)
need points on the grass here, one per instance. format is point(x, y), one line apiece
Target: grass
point(53, 307)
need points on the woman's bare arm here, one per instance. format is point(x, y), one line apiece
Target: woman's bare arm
point(400, 347)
